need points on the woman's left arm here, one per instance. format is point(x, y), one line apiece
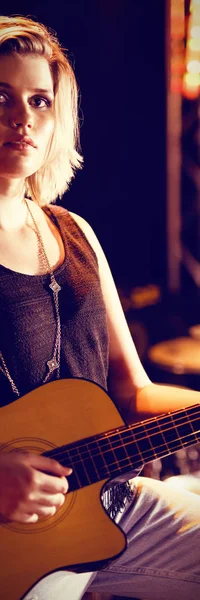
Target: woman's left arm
point(129, 386)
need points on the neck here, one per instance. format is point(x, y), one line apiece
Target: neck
point(12, 206)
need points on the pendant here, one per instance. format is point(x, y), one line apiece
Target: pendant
point(55, 286)
point(52, 365)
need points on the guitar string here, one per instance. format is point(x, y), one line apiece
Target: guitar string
point(87, 452)
point(113, 448)
point(130, 431)
point(108, 466)
point(158, 449)
point(125, 441)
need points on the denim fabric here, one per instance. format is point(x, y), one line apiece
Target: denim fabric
point(162, 560)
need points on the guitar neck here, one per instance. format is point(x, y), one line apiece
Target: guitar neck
point(118, 451)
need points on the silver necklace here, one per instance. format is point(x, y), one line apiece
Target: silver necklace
point(54, 363)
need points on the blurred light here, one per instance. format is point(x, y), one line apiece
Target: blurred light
point(194, 44)
point(195, 5)
point(192, 79)
point(193, 66)
point(177, 31)
point(191, 83)
point(145, 296)
point(195, 32)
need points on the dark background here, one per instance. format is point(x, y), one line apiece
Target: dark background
point(117, 48)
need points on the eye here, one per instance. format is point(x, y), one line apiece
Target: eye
point(38, 99)
point(3, 96)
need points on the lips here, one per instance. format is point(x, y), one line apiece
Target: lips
point(21, 139)
point(19, 147)
point(17, 144)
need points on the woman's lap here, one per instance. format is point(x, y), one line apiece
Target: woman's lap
point(162, 559)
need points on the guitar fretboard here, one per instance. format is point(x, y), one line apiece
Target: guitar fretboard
point(120, 450)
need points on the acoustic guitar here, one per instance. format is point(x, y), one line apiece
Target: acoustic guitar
point(75, 422)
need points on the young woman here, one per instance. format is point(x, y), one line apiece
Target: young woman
point(61, 318)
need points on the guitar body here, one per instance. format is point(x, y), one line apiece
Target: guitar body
point(80, 533)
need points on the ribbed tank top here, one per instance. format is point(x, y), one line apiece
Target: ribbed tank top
point(28, 325)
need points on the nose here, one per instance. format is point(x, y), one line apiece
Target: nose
point(21, 117)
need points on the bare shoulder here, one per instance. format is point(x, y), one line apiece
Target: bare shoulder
point(87, 230)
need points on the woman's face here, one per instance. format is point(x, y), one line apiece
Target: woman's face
point(26, 109)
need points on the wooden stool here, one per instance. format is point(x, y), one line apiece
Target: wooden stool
point(176, 362)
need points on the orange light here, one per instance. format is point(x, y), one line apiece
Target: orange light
point(191, 79)
point(191, 83)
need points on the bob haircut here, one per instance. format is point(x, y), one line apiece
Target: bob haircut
point(21, 35)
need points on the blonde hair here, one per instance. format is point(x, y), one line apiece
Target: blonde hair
point(22, 35)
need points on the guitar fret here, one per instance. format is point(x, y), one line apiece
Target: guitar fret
point(91, 463)
point(162, 435)
point(111, 464)
point(94, 468)
point(145, 443)
point(121, 451)
point(186, 427)
point(135, 445)
point(179, 439)
point(170, 435)
point(82, 465)
point(114, 452)
point(100, 462)
point(131, 446)
point(190, 422)
point(158, 438)
point(83, 471)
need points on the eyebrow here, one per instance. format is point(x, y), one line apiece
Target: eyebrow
point(41, 90)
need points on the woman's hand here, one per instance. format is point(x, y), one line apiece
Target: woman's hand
point(31, 486)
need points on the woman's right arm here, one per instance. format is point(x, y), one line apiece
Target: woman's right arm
point(31, 486)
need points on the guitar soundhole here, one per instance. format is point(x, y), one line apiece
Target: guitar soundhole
point(38, 445)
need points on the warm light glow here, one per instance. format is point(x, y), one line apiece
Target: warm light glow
point(194, 44)
point(193, 66)
point(192, 79)
point(195, 32)
point(177, 26)
point(191, 83)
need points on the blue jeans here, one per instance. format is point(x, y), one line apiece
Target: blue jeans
point(162, 560)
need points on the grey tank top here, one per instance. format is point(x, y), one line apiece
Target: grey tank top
point(28, 326)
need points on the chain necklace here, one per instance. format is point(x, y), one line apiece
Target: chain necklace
point(54, 363)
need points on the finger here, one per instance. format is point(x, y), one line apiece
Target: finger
point(36, 512)
point(51, 500)
point(48, 465)
point(30, 518)
point(25, 518)
point(53, 485)
point(45, 511)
